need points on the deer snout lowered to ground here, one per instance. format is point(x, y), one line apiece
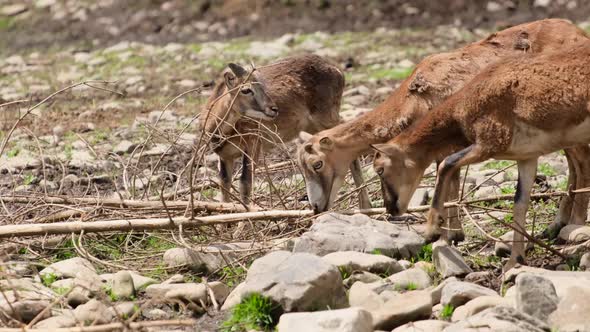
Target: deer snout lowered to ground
point(518, 109)
point(250, 110)
point(325, 156)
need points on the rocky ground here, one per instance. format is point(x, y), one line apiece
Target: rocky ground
point(132, 139)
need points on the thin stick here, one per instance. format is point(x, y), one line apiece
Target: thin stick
point(112, 326)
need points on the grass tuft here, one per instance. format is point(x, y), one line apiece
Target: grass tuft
point(447, 312)
point(255, 312)
point(425, 253)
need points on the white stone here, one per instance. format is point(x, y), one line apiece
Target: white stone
point(342, 320)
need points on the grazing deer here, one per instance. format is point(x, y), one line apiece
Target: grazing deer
point(325, 155)
point(517, 109)
point(294, 94)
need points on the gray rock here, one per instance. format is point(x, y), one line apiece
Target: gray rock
point(56, 322)
point(362, 276)
point(436, 292)
point(448, 261)
point(296, 281)
point(16, 268)
point(123, 287)
point(420, 197)
point(562, 280)
point(189, 292)
point(175, 279)
point(585, 262)
point(94, 312)
point(405, 308)
point(124, 147)
point(414, 278)
point(458, 293)
point(156, 314)
point(49, 185)
point(572, 313)
point(478, 305)
point(25, 310)
point(336, 232)
point(499, 319)
point(196, 261)
point(503, 249)
point(574, 233)
point(431, 325)
point(342, 320)
point(86, 285)
point(535, 295)
point(358, 261)
point(63, 284)
point(124, 309)
point(405, 263)
point(483, 278)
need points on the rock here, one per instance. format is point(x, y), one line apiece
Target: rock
point(86, 285)
point(189, 292)
point(535, 296)
point(358, 261)
point(123, 287)
point(493, 6)
point(13, 10)
point(16, 268)
point(342, 320)
point(487, 192)
point(499, 319)
point(362, 276)
point(503, 249)
point(405, 263)
point(175, 279)
point(140, 282)
point(63, 284)
point(296, 281)
point(585, 262)
point(94, 312)
point(448, 261)
point(562, 280)
point(405, 308)
point(420, 197)
point(83, 160)
point(49, 185)
point(459, 292)
point(542, 3)
point(68, 268)
point(431, 325)
point(123, 309)
point(572, 312)
point(367, 296)
point(25, 310)
point(196, 261)
point(156, 314)
point(477, 305)
point(124, 147)
point(410, 279)
point(436, 292)
point(335, 232)
point(56, 322)
point(574, 233)
point(482, 278)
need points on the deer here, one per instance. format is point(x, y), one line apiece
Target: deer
point(323, 156)
point(519, 108)
point(299, 93)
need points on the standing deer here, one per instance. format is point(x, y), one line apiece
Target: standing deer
point(294, 94)
point(517, 109)
point(325, 155)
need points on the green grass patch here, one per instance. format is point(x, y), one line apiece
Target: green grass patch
point(497, 164)
point(233, 276)
point(13, 152)
point(447, 312)
point(48, 278)
point(508, 190)
point(425, 253)
point(392, 74)
point(6, 23)
point(28, 179)
point(547, 169)
point(255, 312)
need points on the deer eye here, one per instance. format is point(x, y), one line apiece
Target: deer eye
point(379, 171)
point(246, 91)
point(318, 164)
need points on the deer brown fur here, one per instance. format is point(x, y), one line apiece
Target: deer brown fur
point(270, 105)
point(433, 80)
point(517, 109)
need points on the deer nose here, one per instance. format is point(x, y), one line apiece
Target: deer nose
point(272, 111)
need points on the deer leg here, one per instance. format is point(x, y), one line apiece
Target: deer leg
point(453, 163)
point(226, 172)
point(357, 176)
point(246, 179)
point(527, 170)
point(454, 233)
point(579, 211)
point(566, 203)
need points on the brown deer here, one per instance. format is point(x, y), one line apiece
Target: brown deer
point(517, 109)
point(294, 94)
point(324, 156)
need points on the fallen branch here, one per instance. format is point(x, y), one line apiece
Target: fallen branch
point(33, 229)
point(127, 203)
point(110, 327)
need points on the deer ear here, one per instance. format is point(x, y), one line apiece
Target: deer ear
point(303, 137)
point(326, 143)
point(230, 79)
point(387, 149)
point(238, 70)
